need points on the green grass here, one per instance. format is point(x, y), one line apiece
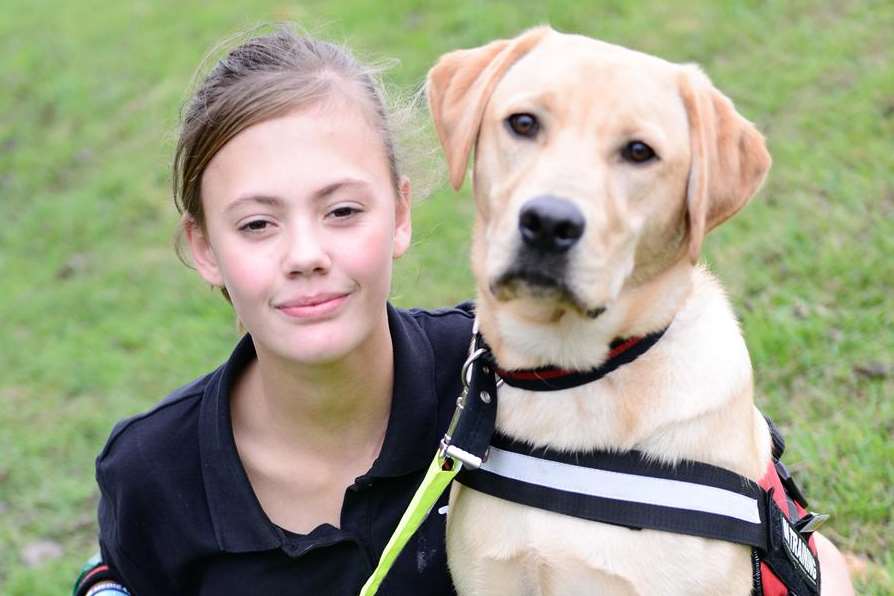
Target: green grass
point(100, 320)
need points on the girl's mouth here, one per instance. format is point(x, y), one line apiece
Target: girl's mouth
point(314, 306)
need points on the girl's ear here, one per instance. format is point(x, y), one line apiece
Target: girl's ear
point(403, 224)
point(202, 254)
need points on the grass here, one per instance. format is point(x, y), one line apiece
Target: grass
point(99, 319)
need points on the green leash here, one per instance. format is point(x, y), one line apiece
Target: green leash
point(441, 471)
point(436, 480)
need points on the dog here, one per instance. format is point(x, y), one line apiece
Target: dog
point(597, 173)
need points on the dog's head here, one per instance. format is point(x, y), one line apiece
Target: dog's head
point(596, 167)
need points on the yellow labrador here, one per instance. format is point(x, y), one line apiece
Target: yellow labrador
point(598, 170)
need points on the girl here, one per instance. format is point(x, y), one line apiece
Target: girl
point(285, 470)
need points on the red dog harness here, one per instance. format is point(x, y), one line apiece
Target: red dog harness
point(788, 498)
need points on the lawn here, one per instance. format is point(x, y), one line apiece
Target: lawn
point(100, 320)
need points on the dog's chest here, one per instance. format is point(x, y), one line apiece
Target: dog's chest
point(688, 397)
point(630, 409)
point(557, 555)
point(649, 405)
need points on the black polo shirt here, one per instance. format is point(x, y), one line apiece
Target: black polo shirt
point(177, 514)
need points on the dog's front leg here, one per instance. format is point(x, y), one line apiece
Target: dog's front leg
point(492, 577)
point(479, 566)
point(521, 576)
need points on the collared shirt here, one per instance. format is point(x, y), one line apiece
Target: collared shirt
point(178, 515)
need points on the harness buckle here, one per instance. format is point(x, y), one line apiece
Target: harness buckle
point(811, 522)
point(464, 457)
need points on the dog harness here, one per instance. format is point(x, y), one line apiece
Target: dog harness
point(621, 488)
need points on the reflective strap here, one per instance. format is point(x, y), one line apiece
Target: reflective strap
point(626, 489)
point(433, 485)
point(618, 486)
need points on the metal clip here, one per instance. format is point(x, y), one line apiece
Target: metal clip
point(466, 373)
point(467, 459)
point(811, 522)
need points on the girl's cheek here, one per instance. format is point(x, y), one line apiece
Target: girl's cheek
point(248, 274)
point(371, 252)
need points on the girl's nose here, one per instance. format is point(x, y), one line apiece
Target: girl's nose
point(305, 252)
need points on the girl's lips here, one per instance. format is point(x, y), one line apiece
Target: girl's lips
point(313, 307)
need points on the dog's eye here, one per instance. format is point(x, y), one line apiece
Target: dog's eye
point(637, 152)
point(524, 125)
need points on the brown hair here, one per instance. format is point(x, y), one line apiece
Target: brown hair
point(266, 77)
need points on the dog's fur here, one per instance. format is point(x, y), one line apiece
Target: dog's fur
point(690, 396)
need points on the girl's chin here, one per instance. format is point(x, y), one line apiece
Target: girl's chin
point(324, 344)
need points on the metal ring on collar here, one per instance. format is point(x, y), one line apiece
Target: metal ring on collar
point(466, 373)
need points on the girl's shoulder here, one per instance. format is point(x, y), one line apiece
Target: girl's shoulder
point(170, 416)
point(153, 482)
point(446, 327)
point(438, 342)
point(168, 427)
point(167, 436)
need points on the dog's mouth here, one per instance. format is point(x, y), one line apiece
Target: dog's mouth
point(541, 286)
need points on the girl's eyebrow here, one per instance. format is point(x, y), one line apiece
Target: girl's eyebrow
point(337, 185)
point(263, 199)
point(273, 201)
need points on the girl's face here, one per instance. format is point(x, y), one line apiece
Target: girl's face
point(302, 225)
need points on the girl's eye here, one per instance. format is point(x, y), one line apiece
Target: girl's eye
point(255, 225)
point(343, 212)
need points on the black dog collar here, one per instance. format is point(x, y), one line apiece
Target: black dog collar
point(551, 378)
point(474, 420)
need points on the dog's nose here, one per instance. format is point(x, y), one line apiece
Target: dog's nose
point(550, 224)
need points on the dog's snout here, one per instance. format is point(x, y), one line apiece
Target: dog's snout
point(550, 224)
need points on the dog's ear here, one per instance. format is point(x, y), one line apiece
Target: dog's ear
point(458, 89)
point(729, 157)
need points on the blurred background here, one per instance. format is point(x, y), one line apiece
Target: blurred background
point(99, 320)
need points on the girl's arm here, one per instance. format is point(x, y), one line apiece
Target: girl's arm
point(833, 569)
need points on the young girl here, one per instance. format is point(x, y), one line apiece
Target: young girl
point(286, 470)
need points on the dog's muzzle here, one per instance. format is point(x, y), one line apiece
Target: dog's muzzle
point(549, 227)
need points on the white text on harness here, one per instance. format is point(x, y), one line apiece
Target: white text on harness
point(798, 551)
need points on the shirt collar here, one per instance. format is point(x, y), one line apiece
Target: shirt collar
point(240, 523)
point(412, 434)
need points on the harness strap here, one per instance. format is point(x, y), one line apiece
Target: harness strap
point(693, 498)
point(790, 564)
point(468, 436)
point(625, 489)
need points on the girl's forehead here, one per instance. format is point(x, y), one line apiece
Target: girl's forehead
point(298, 151)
